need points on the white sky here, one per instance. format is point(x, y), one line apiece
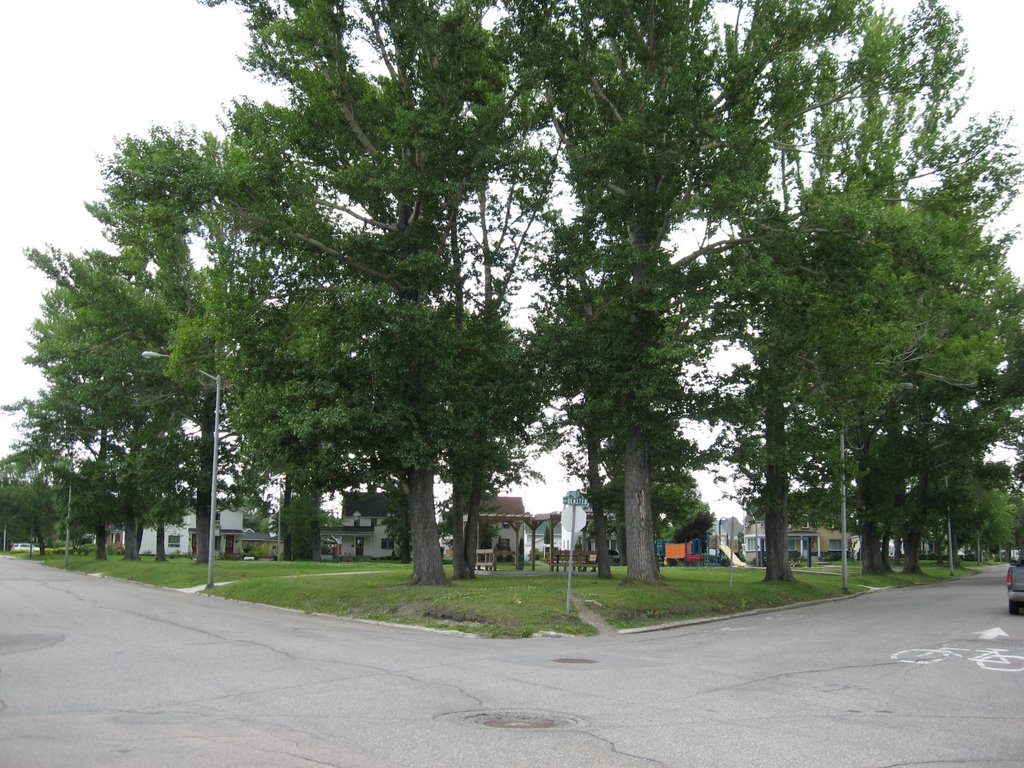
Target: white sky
point(78, 74)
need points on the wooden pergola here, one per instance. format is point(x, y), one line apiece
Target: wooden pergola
point(511, 510)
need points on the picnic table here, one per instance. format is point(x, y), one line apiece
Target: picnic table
point(582, 560)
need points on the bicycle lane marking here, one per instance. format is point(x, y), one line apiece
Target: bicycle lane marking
point(1003, 660)
point(928, 655)
point(992, 659)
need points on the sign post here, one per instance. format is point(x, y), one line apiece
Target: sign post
point(574, 519)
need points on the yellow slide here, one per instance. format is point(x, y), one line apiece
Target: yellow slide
point(727, 551)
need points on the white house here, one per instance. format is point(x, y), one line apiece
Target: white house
point(361, 531)
point(181, 539)
point(176, 540)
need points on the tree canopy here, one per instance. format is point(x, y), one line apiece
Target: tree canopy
point(470, 229)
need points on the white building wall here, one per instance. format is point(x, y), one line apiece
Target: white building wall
point(149, 540)
point(230, 520)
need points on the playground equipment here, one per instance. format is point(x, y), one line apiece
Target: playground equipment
point(726, 550)
point(699, 552)
point(690, 552)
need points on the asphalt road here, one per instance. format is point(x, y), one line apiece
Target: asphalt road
point(100, 673)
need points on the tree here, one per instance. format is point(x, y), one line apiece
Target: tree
point(105, 411)
point(156, 233)
point(837, 313)
point(28, 503)
point(86, 344)
point(375, 187)
point(661, 111)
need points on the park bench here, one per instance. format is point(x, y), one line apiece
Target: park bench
point(485, 560)
point(584, 560)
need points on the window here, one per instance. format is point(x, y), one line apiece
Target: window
point(387, 543)
point(835, 545)
point(174, 540)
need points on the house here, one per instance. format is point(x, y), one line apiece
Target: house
point(259, 545)
point(176, 540)
point(802, 542)
point(361, 531)
point(181, 539)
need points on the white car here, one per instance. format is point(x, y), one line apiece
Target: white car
point(23, 548)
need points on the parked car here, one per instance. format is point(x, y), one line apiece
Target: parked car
point(1015, 585)
point(23, 548)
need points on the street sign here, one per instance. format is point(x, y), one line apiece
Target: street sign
point(574, 520)
point(575, 499)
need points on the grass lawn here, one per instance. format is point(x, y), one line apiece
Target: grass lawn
point(502, 604)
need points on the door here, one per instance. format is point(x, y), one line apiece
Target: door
point(359, 546)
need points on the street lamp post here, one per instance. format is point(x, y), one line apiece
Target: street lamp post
point(842, 515)
point(213, 475)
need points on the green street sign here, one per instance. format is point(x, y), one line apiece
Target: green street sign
point(575, 499)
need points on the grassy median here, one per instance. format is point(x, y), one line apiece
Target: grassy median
point(502, 604)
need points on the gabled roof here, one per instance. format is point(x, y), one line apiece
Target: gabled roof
point(366, 504)
point(250, 535)
point(504, 505)
point(504, 509)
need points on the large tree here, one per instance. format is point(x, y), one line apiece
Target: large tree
point(839, 312)
point(667, 114)
point(396, 182)
point(114, 417)
point(90, 415)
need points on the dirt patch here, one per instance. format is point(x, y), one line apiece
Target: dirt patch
point(589, 612)
point(445, 613)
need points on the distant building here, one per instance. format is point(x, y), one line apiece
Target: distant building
point(819, 543)
point(361, 531)
point(181, 539)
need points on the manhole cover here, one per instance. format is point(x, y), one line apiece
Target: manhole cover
point(504, 722)
point(574, 661)
point(518, 719)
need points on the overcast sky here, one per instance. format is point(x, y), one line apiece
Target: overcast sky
point(78, 74)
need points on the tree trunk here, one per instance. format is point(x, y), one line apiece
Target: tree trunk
point(604, 568)
point(40, 539)
point(871, 549)
point(466, 529)
point(315, 539)
point(161, 549)
point(912, 552)
point(405, 543)
point(776, 488)
point(101, 542)
point(427, 565)
point(642, 563)
point(471, 531)
point(886, 560)
point(131, 528)
point(460, 567)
